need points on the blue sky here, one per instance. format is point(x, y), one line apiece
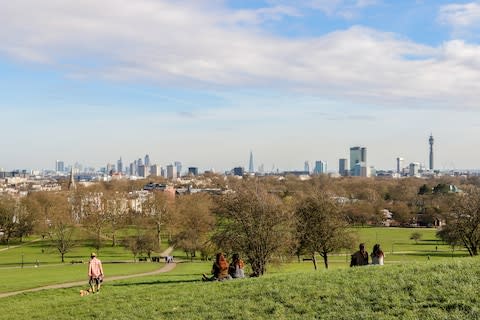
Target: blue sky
point(205, 82)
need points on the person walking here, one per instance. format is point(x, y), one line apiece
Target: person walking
point(95, 273)
point(359, 258)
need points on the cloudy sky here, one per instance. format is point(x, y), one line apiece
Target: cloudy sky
point(206, 82)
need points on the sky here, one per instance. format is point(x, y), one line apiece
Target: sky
point(208, 82)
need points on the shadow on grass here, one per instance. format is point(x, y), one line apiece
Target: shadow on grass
point(156, 282)
point(444, 254)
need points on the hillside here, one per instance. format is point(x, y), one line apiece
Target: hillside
point(433, 290)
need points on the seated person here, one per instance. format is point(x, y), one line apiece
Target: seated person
point(359, 258)
point(219, 269)
point(236, 267)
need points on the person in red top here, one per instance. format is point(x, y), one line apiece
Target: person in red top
point(95, 273)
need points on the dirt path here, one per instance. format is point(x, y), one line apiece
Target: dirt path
point(166, 268)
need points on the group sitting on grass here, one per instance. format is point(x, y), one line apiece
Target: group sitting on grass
point(360, 258)
point(222, 270)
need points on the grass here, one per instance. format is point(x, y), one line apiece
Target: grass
point(51, 271)
point(433, 290)
point(14, 279)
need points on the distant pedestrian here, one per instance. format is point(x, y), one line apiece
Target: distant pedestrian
point(359, 258)
point(377, 255)
point(95, 273)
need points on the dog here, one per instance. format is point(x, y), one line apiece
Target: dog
point(85, 292)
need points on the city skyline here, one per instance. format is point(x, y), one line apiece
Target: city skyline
point(204, 82)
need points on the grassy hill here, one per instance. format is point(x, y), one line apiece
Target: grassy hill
point(428, 290)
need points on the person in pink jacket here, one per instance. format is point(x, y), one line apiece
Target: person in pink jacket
point(95, 273)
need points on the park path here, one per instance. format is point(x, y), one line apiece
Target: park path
point(19, 245)
point(166, 268)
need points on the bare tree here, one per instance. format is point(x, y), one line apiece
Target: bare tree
point(61, 225)
point(94, 217)
point(192, 222)
point(158, 208)
point(256, 224)
point(116, 207)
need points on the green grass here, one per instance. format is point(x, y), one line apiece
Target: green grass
point(433, 290)
point(14, 279)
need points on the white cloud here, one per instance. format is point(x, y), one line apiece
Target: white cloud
point(460, 15)
point(204, 45)
point(347, 9)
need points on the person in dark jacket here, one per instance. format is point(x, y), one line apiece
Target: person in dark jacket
point(359, 258)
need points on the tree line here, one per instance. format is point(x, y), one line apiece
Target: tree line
point(259, 218)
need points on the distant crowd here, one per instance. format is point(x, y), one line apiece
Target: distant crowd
point(360, 258)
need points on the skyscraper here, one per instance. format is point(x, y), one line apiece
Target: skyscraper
point(320, 167)
point(357, 155)
point(250, 164)
point(120, 165)
point(59, 166)
point(171, 172)
point(147, 161)
point(430, 141)
point(306, 167)
point(178, 167)
point(342, 167)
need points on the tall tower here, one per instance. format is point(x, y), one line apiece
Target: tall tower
point(71, 182)
point(250, 163)
point(399, 164)
point(430, 141)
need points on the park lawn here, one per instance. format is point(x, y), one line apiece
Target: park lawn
point(397, 241)
point(434, 290)
point(15, 279)
point(44, 252)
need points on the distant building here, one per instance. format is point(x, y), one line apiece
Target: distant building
point(238, 171)
point(142, 171)
point(414, 168)
point(192, 171)
point(147, 161)
point(155, 170)
point(178, 167)
point(171, 172)
point(250, 164)
point(361, 170)
point(343, 167)
point(133, 168)
point(120, 165)
point(59, 166)
point(320, 167)
point(399, 165)
point(306, 166)
point(357, 155)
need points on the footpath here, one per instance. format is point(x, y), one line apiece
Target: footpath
point(166, 268)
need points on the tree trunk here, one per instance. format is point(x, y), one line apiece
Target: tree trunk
point(258, 268)
point(63, 255)
point(114, 239)
point(314, 260)
point(325, 259)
